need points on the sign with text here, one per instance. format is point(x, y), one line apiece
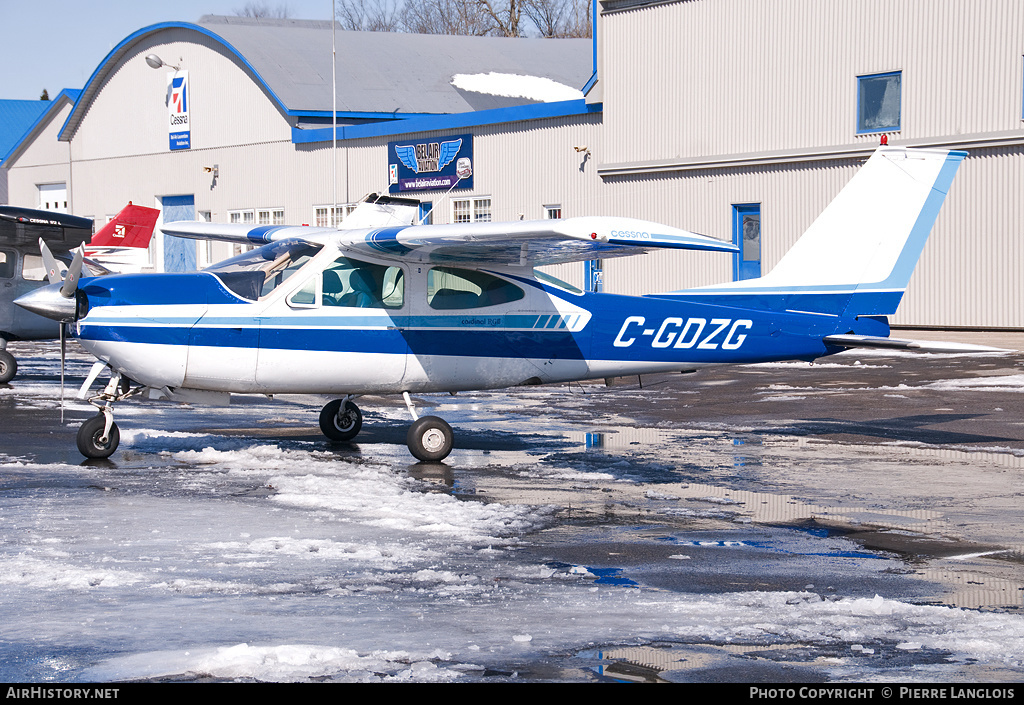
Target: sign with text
point(178, 123)
point(434, 164)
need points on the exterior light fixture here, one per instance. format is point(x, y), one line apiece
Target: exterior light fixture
point(156, 62)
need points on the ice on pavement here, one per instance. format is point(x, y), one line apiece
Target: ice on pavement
point(280, 563)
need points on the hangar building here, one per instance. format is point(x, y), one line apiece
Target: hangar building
point(728, 118)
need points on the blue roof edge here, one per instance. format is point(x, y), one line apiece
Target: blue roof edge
point(534, 111)
point(118, 50)
point(70, 93)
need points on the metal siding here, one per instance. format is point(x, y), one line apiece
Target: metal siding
point(129, 115)
point(704, 79)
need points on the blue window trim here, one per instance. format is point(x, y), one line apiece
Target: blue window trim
point(876, 130)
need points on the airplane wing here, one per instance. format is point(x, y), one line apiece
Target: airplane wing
point(880, 343)
point(527, 243)
point(246, 234)
point(372, 212)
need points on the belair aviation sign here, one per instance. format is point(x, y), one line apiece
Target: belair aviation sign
point(437, 164)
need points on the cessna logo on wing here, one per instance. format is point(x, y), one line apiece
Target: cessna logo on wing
point(428, 156)
point(685, 333)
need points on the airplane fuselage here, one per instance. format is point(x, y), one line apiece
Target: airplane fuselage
point(191, 331)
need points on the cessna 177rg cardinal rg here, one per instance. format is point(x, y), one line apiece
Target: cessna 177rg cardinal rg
point(447, 308)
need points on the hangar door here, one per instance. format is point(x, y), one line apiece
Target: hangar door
point(179, 252)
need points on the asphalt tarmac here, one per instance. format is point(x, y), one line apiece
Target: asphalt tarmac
point(909, 464)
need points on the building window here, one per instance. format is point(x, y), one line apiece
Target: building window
point(270, 216)
point(247, 217)
point(329, 216)
point(471, 210)
point(552, 212)
point(878, 102)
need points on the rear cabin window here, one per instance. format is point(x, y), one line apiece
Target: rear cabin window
point(7, 260)
point(450, 288)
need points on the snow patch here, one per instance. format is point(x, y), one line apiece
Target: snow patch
point(538, 88)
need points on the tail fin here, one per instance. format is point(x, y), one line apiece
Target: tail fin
point(132, 227)
point(858, 255)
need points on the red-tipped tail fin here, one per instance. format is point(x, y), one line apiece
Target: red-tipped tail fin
point(132, 227)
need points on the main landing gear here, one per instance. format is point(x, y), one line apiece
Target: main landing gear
point(430, 438)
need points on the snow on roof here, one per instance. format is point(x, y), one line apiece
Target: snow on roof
point(537, 88)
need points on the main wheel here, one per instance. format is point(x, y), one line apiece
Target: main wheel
point(430, 439)
point(89, 438)
point(340, 424)
point(8, 367)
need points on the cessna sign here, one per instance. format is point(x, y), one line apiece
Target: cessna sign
point(178, 123)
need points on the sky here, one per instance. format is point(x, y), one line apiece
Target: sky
point(57, 44)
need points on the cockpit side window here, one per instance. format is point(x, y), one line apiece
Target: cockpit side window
point(357, 284)
point(8, 258)
point(451, 288)
point(352, 283)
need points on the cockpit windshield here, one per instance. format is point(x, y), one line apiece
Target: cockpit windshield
point(255, 274)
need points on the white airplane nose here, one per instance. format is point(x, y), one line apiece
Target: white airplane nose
point(48, 302)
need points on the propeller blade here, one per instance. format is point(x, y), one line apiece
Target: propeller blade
point(50, 262)
point(70, 285)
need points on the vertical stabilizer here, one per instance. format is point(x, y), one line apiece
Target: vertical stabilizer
point(858, 255)
point(132, 227)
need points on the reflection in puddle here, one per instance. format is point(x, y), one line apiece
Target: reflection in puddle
point(983, 576)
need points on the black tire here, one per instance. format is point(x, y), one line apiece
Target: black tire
point(89, 438)
point(8, 367)
point(430, 439)
point(343, 426)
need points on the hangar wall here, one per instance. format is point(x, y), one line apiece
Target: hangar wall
point(729, 102)
point(704, 105)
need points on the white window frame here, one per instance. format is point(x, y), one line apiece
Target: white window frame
point(244, 216)
point(270, 216)
point(477, 209)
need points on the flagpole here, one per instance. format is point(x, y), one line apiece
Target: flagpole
point(334, 119)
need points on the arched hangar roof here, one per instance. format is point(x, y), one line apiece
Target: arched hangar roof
point(380, 75)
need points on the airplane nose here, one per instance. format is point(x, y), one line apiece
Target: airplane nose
point(47, 301)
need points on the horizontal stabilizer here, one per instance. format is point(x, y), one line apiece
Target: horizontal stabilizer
point(868, 341)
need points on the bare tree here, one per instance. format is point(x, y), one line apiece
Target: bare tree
point(370, 15)
point(559, 18)
point(445, 17)
point(504, 18)
point(262, 9)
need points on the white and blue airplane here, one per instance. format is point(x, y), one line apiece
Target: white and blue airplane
point(412, 308)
